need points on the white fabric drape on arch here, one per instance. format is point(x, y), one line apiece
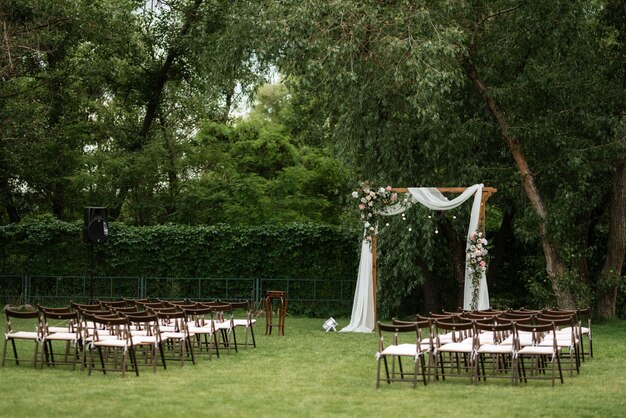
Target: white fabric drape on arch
point(362, 319)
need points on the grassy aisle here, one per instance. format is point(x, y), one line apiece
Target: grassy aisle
point(309, 373)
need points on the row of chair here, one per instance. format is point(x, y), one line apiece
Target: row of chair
point(516, 345)
point(118, 330)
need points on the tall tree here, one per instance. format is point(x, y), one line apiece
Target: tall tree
point(430, 93)
point(194, 47)
point(608, 283)
point(559, 51)
point(47, 92)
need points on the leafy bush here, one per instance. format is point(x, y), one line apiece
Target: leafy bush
point(45, 246)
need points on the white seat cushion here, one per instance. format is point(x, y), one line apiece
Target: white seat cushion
point(62, 336)
point(244, 322)
point(495, 349)
point(536, 350)
point(111, 343)
point(457, 347)
point(400, 350)
point(144, 339)
point(23, 335)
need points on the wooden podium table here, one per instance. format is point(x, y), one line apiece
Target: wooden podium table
point(275, 297)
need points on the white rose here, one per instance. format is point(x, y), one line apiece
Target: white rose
point(355, 195)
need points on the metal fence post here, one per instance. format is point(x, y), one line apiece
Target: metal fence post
point(141, 291)
point(26, 289)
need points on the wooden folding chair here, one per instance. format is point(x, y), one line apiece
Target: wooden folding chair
point(69, 334)
point(29, 329)
point(583, 314)
point(175, 335)
point(567, 339)
point(245, 320)
point(201, 324)
point(392, 347)
point(113, 341)
point(543, 358)
point(146, 336)
point(224, 322)
point(109, 304)
point(461, 349)
point(497, 354)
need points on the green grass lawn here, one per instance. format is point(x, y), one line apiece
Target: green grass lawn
point(310, 373)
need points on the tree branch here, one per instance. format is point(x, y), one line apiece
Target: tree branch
point(498, 13)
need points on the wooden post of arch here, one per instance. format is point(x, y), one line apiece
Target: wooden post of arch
point(487, 193)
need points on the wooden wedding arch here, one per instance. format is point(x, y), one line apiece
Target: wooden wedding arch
point(487, 193)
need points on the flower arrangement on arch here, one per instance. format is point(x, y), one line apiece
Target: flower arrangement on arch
point(477, 258)
point(371, 201)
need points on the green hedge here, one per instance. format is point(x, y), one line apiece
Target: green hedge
point(46, 246)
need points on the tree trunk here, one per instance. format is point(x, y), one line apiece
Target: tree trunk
point(554, 265)
point(172, 174)
point(227, 106)
point(7, 195)
point(610, 276)
point(501, 246)
point(56, 186)
point(609, 280)
point(457, 256)
point(430, 293)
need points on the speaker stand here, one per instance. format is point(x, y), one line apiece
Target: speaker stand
point(91, 269)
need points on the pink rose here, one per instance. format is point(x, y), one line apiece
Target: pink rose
point(394, 197)
point(361, 206)
point(388, 188)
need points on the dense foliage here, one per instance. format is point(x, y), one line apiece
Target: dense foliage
point(526, 96)
point(47, 246)
point(136, 104)
point(133, 104)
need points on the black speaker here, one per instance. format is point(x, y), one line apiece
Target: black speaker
point(96, 228)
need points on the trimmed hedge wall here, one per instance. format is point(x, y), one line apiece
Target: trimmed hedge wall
point(47, 246)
